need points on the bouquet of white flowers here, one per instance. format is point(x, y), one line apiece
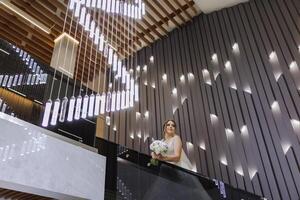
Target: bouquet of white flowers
point(158, 147)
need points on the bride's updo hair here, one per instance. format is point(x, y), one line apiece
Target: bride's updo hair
point(165, 124)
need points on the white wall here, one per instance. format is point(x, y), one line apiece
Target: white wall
point(34, 160)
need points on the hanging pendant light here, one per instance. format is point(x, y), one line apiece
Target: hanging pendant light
point(97, 104)
point(132, 85)
point(105, 51)
point(82, 16)
point(92, 29)
point(1, 79)
point(78, 107)
point(77, 10)
point(10, 80)
point(113, 7)
point(101, 45)
point(30, 63)
point(97, 33)
point(119, 73)
point(24, 56)
point(32, 79)
point(47, 113)
point(85, 106)
point(108, 102)
point(139, 13)
point(94, 3)
point(143, 9)
point(118, 7)
point(37, 79)
point(124, 72)
point(88, 3)
point(110, 56)
point(131, 99)
point(5, 81)
point(136, 12)
point(20, 80)
point(115, 62)
point(71, 109)
point(118, 100)
point(87, 22)
point(132, 11)
point(123, 96)
point(99, 3)
point(102, 103)
point(104, 5)
point(91, 105)
point(113, 101)
point(53, 121)
point(15, 80)
point(128, 10)
point(136, 92)
point(63, 109)
point(125, 8)
point(21, 53)
point(127, 81)
point(108, 8)
point(127, 95)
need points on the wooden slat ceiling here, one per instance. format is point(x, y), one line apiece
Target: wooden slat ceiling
point(15, 195)
point(126, 35)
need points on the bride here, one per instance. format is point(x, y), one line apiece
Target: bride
point(175, 153)
point(173, 183)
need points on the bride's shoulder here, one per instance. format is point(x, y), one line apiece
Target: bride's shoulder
point(177, 137)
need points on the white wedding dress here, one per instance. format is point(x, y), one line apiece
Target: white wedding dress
point(173, 183)
point(184, 162)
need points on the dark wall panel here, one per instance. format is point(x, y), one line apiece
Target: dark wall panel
point(238, 111)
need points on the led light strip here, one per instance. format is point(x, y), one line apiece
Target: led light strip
point(28, 60)
point(21, 79)
point(5, 52)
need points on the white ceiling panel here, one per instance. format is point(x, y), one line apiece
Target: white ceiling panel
point(208, 6)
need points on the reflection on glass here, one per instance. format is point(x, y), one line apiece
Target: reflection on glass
point(1, 78)
point(37, 79)
point(20, 79)
point(33, 79)
point(5, 80)
point(28, 79)
point(15, 80)
point(4, 106)
point(10, 80)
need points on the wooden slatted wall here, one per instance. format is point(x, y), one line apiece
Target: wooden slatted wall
point(243, 128)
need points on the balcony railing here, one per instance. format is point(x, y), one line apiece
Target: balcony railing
point(130, 176)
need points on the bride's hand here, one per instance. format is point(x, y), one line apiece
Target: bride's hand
point(154, 155)
point(157, 156)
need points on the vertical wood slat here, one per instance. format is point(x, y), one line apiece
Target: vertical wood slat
point(258, 27)
point(210, 107)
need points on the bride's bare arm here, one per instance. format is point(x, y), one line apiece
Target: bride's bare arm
point(177, 151)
